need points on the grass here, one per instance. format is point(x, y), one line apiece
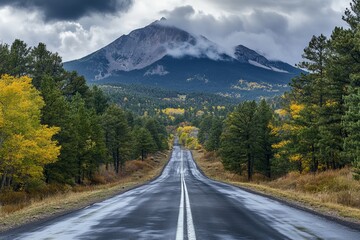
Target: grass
point(333, 193)
point(24, 211)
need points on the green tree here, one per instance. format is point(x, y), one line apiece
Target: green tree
point(213, 141)
point(343, 64)
point(98, 100)
point(264, 117)
point(19, 59)
point(43, 63)
point(204, 128)
point(89, 140)
point(351, 123)
point(154, 128)
point(73, 84)
point(239, 140)
point(144, 143)
point(118, 137)
point(309, 92)
point(4, 59)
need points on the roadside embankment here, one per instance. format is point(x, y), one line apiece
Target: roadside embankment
point(332, 193)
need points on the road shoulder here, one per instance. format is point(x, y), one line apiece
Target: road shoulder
point(334, 212)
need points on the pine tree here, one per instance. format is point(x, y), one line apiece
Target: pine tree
point(309, 91)
point(351, 123)
point(264, 117)
point(239, 140)
point(213, 141)
point(19, 59)
point(343, 64)
point(117, 136)
point(43, 63)
point(98, 100)
point(205, 126)
point(153, 127)
point(144, 143)
point(4, 59)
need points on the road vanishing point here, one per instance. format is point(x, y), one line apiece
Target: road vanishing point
point(184, 204)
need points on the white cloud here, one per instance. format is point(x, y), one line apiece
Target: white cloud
point(278, 28)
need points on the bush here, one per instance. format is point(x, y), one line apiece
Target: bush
point(98, 179)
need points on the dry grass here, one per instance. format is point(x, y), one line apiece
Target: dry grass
point(329, 187)
point(137, 173)
point(333, 193)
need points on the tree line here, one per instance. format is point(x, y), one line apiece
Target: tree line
point(317, 127)
point(54, 128)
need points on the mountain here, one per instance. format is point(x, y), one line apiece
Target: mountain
point(166, 56)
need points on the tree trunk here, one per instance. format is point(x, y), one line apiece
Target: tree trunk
point(268, 166)
point(46, 174)
point(249, 167)
point(315, 164)
point(79, 172)
point(300, 167)
point(117, 160)
point(3, 180)
point(114, 159)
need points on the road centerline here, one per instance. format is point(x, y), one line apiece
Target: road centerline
point(180, 223)
point(184, 205)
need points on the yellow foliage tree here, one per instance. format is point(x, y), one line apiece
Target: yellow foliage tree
point(25, 145)
point(188, 136)
point(173, 111)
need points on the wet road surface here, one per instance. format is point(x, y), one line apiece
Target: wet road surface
point(184, 204)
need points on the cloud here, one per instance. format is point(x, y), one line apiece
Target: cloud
point(279, 29)
point(180, 12)
point(202, 47)
point(69, 9)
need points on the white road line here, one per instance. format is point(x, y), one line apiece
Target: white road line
point(180, 224)
point(189, 220)
point(190, 223)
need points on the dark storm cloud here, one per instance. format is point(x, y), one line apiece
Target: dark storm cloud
point(70, 9)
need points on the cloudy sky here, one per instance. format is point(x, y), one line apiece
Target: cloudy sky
point(279, 29)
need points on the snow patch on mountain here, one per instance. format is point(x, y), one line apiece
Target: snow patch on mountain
point(279, 70)
point(256, 64)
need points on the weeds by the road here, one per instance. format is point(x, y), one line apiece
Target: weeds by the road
point(18, 209)
point(334, 193)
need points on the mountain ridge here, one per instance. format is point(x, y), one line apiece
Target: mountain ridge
point(167, 56)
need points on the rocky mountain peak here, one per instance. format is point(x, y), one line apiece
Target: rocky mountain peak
point(244, 54)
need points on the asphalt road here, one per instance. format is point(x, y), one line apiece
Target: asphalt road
point(183, 204)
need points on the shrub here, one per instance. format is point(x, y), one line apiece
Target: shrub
point(9, 197)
